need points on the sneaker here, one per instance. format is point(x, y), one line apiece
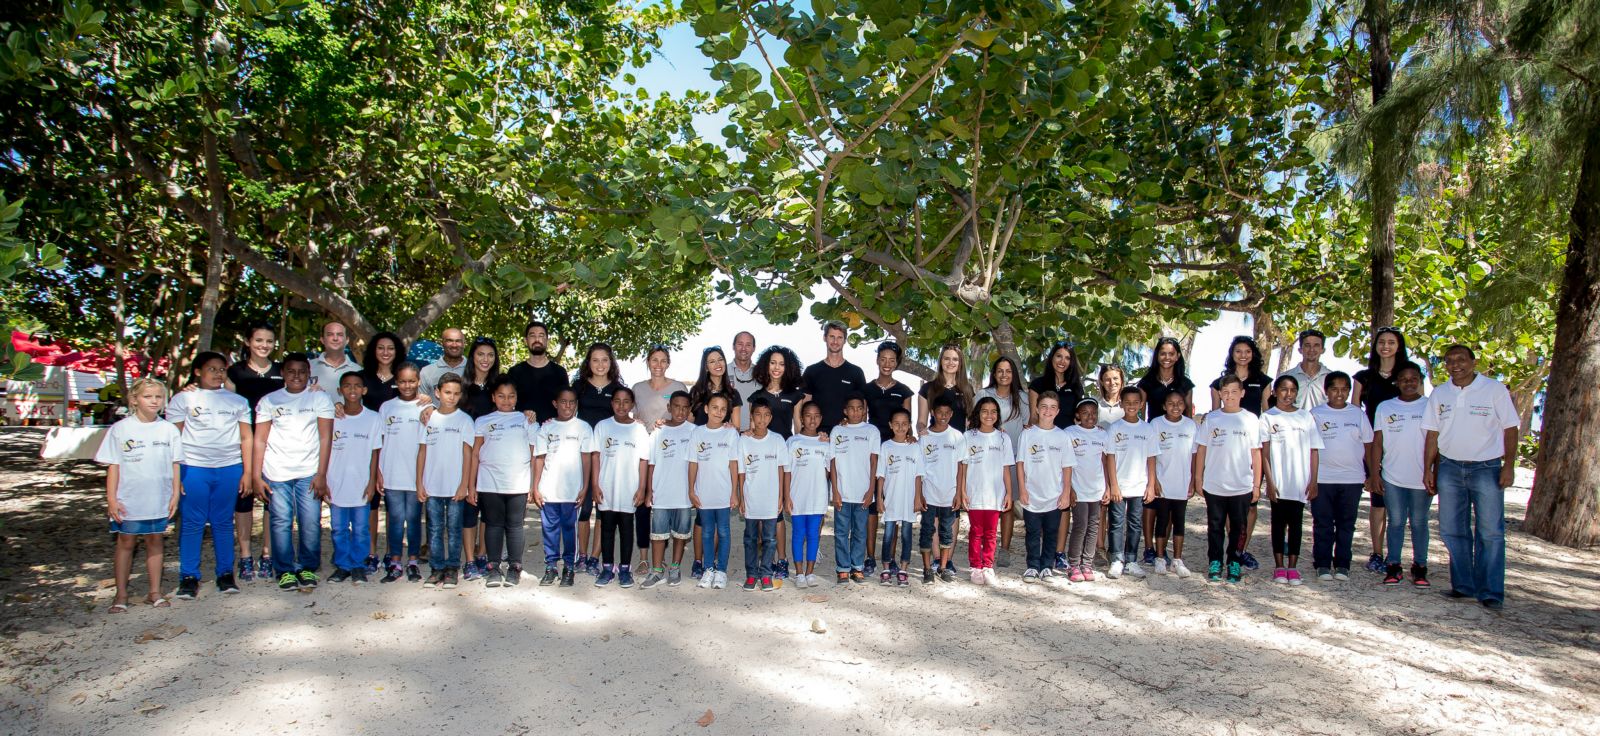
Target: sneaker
point(1214, 572)
point(288, 581)
point(947, 575)
point(550, 576)
point(1047, 575)
point(1419, 576)
point(902, 579)
point(339, 576)
point(870, 566)
point(247, 569)
point(1116, 570)
point(858, 577)
point(1076, 576)
point(653, 579)
point(1325, 574)
point(1375, 562)
point(494, 578)
point(1088, 573)
point(780, 570)
point(1391, 576)
point(1060, 562)
point(359, 576)
point(1149, 556)
point(452, 578)
point(977, 577)
point(706, 579)
point(1134, 570)
point(1030, 575)
point(482, 563)
point(188, 588)
point(721, 581)
point(1003, 558)
point(308, 579)
point(766, 585)
point(1161, 566)
point(392, 572)
point(1280, 576)
point(370, 564)
point(699, 568)
point(886, 578)
point(413, 572)
point(1493, 604)
point(675, 576)
point(1341, 574)
point(569, 577)
point(927, 576)
point(1179, 568)
point(1250, 561)
point(264, 568)
point(625, 578)
point(594, 567)
point(513, 577)
point(1294, 577)
point(436, 577)
point(605, 577)
point(472, 572)
point(989, 578)
point(1234, 573)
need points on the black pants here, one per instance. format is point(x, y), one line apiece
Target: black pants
point(505, 537)
point(1287, 519)
point(641, 531)
point(1042, 529)
point(1225, 518)
point(612, 525)
point(1169, 517)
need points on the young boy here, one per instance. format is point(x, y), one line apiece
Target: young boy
point(671, 516)
point(810, 459)
point(442, 464)
point(1340, 473)
point(353, 479)
point(562, 459)
point(1093, 466)
point(294, 441)
point(401, 418)
point(215, 424)
point(141, 453)
point(1135, 447)
point(620, 467)
point(943, 447)
point(899, 494)
point(1228, 462)
point(1044, 467)
point(855, 460)
point(1397, 445)
point(1176, 435)
point(764, 491)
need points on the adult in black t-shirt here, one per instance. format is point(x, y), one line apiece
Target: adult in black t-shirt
point(538, 379)
point(598, 380)
point(958, 421)
point(483, 367)
point(831, 380)
point(1167, 374)
point(258, 374)
point(1059, 373)
point(777, 373)
point(1245, 361)
point(1375, 383)
point(714, 380)
point(884, 394)
point(384, 355)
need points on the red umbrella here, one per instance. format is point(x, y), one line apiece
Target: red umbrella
point(42, 351)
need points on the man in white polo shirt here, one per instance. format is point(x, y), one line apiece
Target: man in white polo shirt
point(1469, 456)
point(454, 360)
point(332, 363)
point(1310, 372)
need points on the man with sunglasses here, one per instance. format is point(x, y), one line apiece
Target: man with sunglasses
point(454, 360)
point(333, 362)
point(538, 378)
point(1310, 372)
point(742, 372)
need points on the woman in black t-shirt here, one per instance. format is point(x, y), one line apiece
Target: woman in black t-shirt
point(383, 357)
point(1167, 374)
point(258, 374)
point(713, 381)
point(483, 366)
point(598, 379)
point(777, 372)
point(1375, 383)
point(1245, 361)
point(1059, 373)
point(884, 394)
point(952, 382)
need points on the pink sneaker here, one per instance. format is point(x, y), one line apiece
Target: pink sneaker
point(977, 576)
point(1076, 575)
point(1088, 573)
point(1294, 577)
point(1280, 576)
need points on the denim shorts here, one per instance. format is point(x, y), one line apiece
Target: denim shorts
point(671, 523)
point(141, 526)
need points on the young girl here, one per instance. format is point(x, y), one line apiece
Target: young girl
point(442, 464)
point(1005, 387)
point(1289, 446)
point(1134, 449)
point(352, 479)
point(215, 424)
point(899, 495)
point(1175, 434)
point(1062, 375)
point(1044, 469)
point(1166, 375)
point(777, 372)
point(1341, 475)
point(810, 459)
point(401, 418)
point(1228, 472)
point(763, 492)
point(502, 480)
point(1397, 445)
point(141, 453)
point(1372, 386)
point(598, 380)
point(671, 515)
point(1109, 403)
point(985, 491)
point(943, 447)
point(855, 458)
point(713, 468)
point(621, 461)
point(1092, 468)
point(562, 462)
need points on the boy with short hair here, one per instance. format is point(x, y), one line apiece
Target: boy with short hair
point(1044, 466)
point(1228, 462)
point(1135, 447)
point(442, 464)
point(943, 446)
point(562, 458)
point(855, 460)
point(671, 515)
point(294, 441)
point(352, 479)
point(763, 492)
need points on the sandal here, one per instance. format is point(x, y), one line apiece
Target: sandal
point(118, 608)
point(157, 601)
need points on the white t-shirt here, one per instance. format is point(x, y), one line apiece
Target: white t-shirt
point(293, 445)
point(445, 435)
point(1290, 437)
point(1089, 469)
point(1345, 436)
point(899, 465)
point(563, 446)
point(669, 466)
point(1471, 421)
point(1010, 423)
point(1403, 441)
point(505, 461)
point(1043, 452)
point(941, 454)
point(713, 449)
point(621, 447)
point(809, 459)
point(1228, 439)
point(1110, 412)
point(762, 462)
point(143, 453)
point(854, 446)
point(988, 456)
point(1132, 445)
point(355, 437)
point(402, 435)
point(210, 421)
point(1175, 464)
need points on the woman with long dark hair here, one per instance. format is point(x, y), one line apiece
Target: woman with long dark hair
point(1060, 373)
point(1005, 387)
point(1168, 374)
point(598, 380)
point(384, 354)
point(713, 381)
point(1374, 385)
point(1246, 362)
point(254, 377)
point(952, 381)
point(777, 373)
point(483, 366)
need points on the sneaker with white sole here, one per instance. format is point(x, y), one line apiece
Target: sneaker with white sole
point(1047, 575)
point(1179, 568)
point(989, 578)
point(1134, 570)
point(1115, 571)
point(1325, 575)
point(721, 581)
point(977, 577)
point(1161, 566)
point(707, 579)
point(1030, 575)
point(1280, 576)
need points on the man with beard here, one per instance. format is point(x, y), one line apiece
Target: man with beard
point(538, 379)
point(454, 342)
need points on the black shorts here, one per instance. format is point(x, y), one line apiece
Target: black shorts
point(243, 504)
point(377, 500)
point(586, 509)
point(469, 515)
point(1377, 500)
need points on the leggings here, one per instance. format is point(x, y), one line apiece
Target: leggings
point(981, 537)
point(1085, 529)
point(805, 535)
point(641, 531)
point(613, 524)
point(1169, 517)
point(505, 538)
point(1287, 519)
point(1225, 518)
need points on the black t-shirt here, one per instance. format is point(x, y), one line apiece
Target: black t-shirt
point(1376, 388)
point(881, 403)
point(537, 388)
point(594, 404)
point(378, 390)
point(1254, 386)
point(959, 420)
point(1068, 394)
point(1156, 393)
point(478, 402)
point(830, 387)
point(252, 385)
point(699, 407)
point(783, 405)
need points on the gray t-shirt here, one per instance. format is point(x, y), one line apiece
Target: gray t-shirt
point(745, 385)
point(650, 404)
point(432, 372)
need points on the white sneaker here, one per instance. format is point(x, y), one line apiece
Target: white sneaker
point(1115, 571)
point(1161, 566)
point(1135, 570)
point(1047, 575)
point(1179, 568)
point(720, 582)
point(977, 577)
point(1030, 575)
point(707, 579)
point(808, 581)
point(989, 577)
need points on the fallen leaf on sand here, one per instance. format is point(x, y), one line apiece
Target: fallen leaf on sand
point(78, 698)
point(108, 583)
point(149, 708)
point(382, 615)
point(312, 604)
point(707, 719)
point(164, 631)
point(1282, 615)
point(816, 598)
point(22, 598)
point(605, 637)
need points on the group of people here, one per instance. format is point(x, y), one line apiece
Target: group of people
point(461, 447)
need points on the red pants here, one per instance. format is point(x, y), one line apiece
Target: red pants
point(981, 538)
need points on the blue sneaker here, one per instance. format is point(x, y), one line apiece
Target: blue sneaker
point(1234, 574)
point(1149, 557)
point(247, 570)
point(1061, 562)
point(780, 570)
point(1250, 562)
point(1375, 563)
point(594, 567)
point(699, 570)
point(625, 577)
point(371, 564)
point(604, 578)
point(870, 565)
point(471, 571)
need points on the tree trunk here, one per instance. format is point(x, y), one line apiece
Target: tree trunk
point(1565, 507)
point(118, 346)
point(1383, 177)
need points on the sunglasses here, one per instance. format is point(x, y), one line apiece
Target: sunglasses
point(709, 350)
point(484, 341)
point(1068, 344)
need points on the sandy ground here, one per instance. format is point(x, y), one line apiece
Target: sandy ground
point(1162, 656)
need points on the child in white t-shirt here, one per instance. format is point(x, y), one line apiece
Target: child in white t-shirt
point(1228, 472)
point(442, 465)
point(1044, 466)
point(900, 475)
point(141, 453)
point(985, 490)
point(215, 424)
point(1134, 448)
point(713, 487)
point(1397, 451)
point(502, 479)
point(943, 447)
point(293, 442)
point(810, 462)
point(764, 493)
point(855, 460)
point(1093, 469)
point(621, 464)
point(1341, 474)
point(352, 479)
point(1290, 444)
point(401, 419)
point(563, 455)
point(1176, 436)
point(671, 514)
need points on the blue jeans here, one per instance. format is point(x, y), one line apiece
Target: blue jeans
point(891, 529)
point(404, 523)
point(292, 503)
point(1127, 527)
point(1407, 504)
point(850, 537)
point(714, 537)
point(1333, 524)
point(1472, 522)
point(444, 532)
point(558, 525)
point(352, 536)
point(760, 541)
point(209, 495)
